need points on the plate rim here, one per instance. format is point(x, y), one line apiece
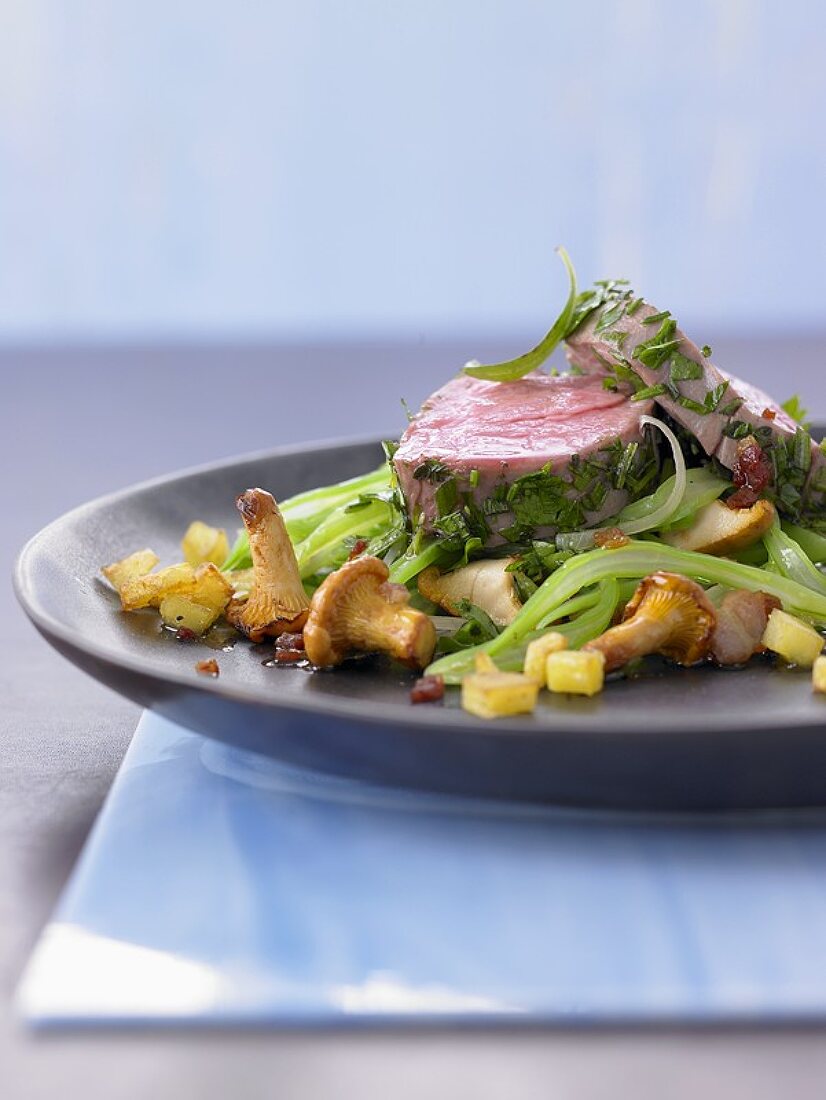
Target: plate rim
point(408, 716)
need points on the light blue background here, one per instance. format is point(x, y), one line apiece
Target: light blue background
point(223, 887)
point(365, 169)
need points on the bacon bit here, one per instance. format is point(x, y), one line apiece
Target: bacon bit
point(429, 689)
point(768, 414)
point(184, 634)
point(289, 650)
point(208, 668)
point(359, 546)
point(611, 539)
point(289, 656)
point(751, 474)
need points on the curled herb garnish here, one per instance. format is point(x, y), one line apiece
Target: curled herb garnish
point(513, 369)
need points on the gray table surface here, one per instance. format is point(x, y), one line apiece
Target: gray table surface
point(80, 422)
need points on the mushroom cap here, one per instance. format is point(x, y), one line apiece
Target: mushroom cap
point(720, 529)
point(681, 602)
point(260, 617)
point(357, 609)
point(256, 507)
point(485, 583)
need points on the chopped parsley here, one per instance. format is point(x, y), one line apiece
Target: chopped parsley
point(692, 405)
point(538, 499)
point(538, 560)
point(431, 470)
point(453, 526)
point(497, 502)
point(604, 292)
point(650, 391)
point(794, 408)
point(616, 336)
point(656, 318)
point(477, 628)
point(447, 497)
point(654, 352)
point(683, 369)
point(610, 314)
point(624, 466)
point(715, 396)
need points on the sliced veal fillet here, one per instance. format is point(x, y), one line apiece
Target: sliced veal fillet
point(473, 441)
point(716, 408)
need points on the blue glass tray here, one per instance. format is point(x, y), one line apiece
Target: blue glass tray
point(219, 887)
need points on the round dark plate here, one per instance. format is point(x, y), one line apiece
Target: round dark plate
point(671, 739)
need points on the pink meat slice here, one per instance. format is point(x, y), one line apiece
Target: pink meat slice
point(506, 430)
point(593, 347)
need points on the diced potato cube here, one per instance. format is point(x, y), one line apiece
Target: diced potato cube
point(210, 587)
point(136, 565)
point(793, 640)
point(203, 543)
point(483, 663)
point(206, 585)
point(538, 652)
point(575, 672)
point(498, 694)
point(149, 590)
point(819, 674)
point(181, 611)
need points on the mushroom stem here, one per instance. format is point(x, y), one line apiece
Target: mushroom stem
point(668, 614)
point(277, 601)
